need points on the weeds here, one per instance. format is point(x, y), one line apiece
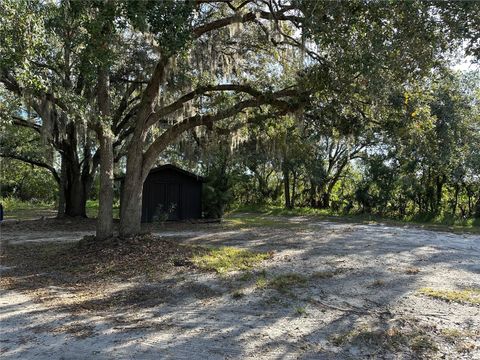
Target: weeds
point(468, 296)
point(284, 283)
point(226, 259)
point(238, 294)
point(391, 338)
point(300, 311)
point(412, 271)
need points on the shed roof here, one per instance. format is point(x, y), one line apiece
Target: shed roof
point(176, 168)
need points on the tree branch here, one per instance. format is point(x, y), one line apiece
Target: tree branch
point(171, 133)
point(25, 123)
point(34, 162)
point(248, 17)
point(160, 112)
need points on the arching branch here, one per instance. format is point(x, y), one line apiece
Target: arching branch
point(35, 163)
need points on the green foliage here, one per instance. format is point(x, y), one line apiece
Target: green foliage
point(26, 183)
point(169, 21)
point(216, 193)
point(92, 209)
point(14, 205)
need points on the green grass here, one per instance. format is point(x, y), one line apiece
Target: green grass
point(468, 296)
point(28, 210)
point(261, 282)
point(226, 259)
point(300, 311)
point(25, 210)
point(92, 209)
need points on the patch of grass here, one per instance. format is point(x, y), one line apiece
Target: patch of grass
point(377, 283)
point(284, 283)
point(412, 271)
point(238, 294)
point(24, 210)
point(468, 296)
point(13, 204)
point(452, 335)
point(465, 347)
point(300, 311)
point(256, 220)
point(392, 338)
point(93, 206)
point(456, 336)
point(246, 276)
point(326, 274)
point(261, 282)
point(226, 259)
point(361, 334)
point(422, 343)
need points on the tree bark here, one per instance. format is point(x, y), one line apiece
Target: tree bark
point(455, 200)
point(477, 208)
point(105, 136)
point(286, 184)
point(131, 201)
point(75, 196)
point(294, 187)
point(105, 212)
point(61, 190)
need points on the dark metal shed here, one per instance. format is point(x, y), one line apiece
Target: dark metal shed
point(169, 189)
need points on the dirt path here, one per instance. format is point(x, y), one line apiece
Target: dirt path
point(352, 291)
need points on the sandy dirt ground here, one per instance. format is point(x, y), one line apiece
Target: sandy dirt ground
point(357, 295)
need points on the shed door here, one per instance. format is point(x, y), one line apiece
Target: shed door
point(165, 198)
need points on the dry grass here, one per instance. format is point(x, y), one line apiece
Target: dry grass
point(284, 283)
point(466, 296)
point(392, 338)
point(412, 271)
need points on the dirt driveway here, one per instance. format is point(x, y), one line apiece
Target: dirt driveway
point(342, 291)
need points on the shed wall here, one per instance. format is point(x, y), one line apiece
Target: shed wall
point(168, 186)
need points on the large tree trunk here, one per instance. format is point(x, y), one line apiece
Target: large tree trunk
point(75, 195)
point(286, 184)
point(313, 194)
point(105, 197)
point(455, 199)
point(105, 137)
point(439, 185)
point(76, 181)
point(294, 188)
point(131, 201)
point(477, 208)
point(61, 190)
